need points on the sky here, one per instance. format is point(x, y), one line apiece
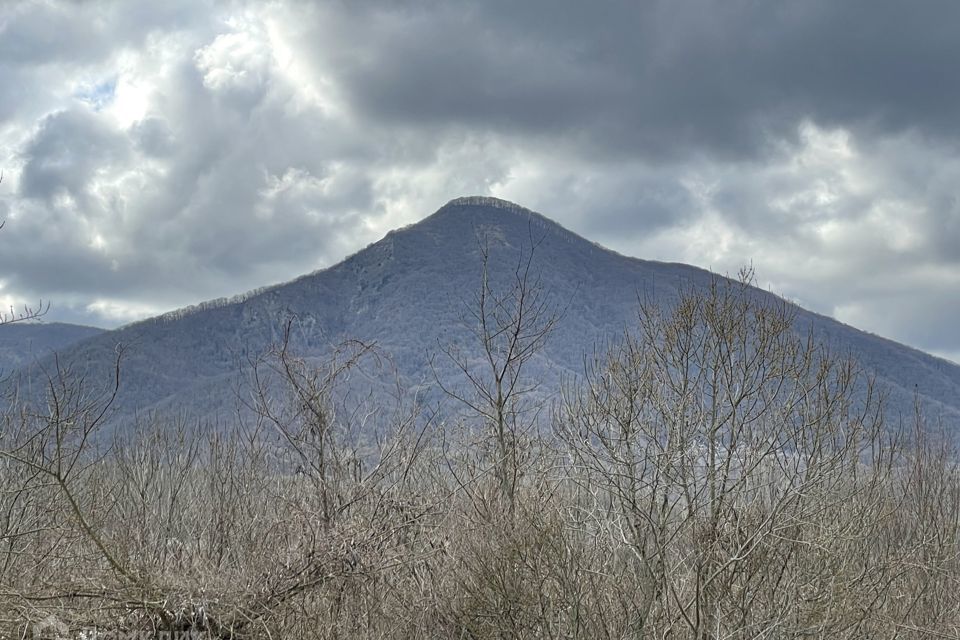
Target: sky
point(157, 154)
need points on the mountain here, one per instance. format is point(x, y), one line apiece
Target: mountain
point(407, 293)
point(23, 342)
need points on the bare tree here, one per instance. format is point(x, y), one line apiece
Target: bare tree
point(510, 327)
point(742, 466)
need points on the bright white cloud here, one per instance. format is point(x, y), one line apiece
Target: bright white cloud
point(122, 311)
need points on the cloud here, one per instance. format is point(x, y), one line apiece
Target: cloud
point(159, 154)
point(657, 79)
point(65, 152)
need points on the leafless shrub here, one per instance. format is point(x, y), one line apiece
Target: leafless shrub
point(741, 476)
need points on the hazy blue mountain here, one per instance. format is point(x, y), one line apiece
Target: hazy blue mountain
point(406, 293)
point(23, 342)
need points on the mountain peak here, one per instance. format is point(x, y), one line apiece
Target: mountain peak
point(486, 201)
point(473, 208)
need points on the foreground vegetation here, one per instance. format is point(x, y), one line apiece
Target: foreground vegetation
point(711, 475)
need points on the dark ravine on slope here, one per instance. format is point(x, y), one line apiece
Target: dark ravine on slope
point(406, 293)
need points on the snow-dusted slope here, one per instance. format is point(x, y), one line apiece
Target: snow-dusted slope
point(406, 293)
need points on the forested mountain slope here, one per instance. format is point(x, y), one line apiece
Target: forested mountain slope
point(22, 342)
point(407, 294)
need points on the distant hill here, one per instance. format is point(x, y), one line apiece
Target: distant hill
point(23, 342)
point(406, 293)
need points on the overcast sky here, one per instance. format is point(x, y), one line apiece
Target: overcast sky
point(156, 154)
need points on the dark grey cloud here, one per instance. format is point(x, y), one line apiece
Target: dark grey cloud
point(652, 78)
